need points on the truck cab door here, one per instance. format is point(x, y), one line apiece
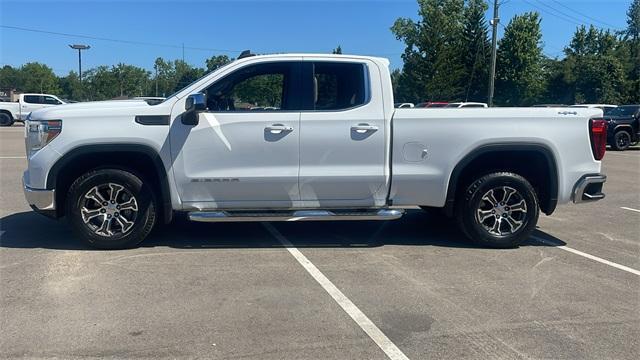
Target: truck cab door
point(342, 139)
point(30, 103)
point(244, 151)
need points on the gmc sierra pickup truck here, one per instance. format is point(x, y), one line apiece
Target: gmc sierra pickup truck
point(11, 112)
point(300, 138)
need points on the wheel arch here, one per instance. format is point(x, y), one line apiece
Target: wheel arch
point(140, 158)
point(473, 161)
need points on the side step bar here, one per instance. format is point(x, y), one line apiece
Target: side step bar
point(298, 215)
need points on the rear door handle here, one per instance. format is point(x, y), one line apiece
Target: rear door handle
point(278, 128)
point(363, 128)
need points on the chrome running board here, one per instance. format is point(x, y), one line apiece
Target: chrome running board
point(298, 215)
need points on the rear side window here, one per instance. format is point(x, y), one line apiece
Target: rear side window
point(338, 86)
point(33, 99)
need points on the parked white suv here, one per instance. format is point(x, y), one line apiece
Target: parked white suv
point(331, 146)
point(11, 112)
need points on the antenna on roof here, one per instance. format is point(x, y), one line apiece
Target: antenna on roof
point(245, 54)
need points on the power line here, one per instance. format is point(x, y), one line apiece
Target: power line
point(131, 42)
point(586, 16)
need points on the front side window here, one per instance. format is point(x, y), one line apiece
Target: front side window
point(338, 86)
point(32, 99)
point(261, 87)
point(49, 100)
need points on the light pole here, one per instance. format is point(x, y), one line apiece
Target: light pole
point(80, 47)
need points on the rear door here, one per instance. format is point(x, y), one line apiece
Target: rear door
point(342, 135)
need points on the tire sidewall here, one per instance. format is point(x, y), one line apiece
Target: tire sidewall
point(473, 196)
point(615, 140)
point(144, 197)
point(5, 119)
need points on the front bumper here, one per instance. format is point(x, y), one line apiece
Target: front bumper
point(42, 201)
point(589, 188)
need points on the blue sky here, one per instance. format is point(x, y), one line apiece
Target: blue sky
point(227, 27)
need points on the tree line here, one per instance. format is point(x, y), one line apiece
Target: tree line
point(108, 82)
point(446, 58)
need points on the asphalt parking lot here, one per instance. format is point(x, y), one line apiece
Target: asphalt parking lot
point(344, 290)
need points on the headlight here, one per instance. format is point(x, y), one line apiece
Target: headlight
point(39, 133)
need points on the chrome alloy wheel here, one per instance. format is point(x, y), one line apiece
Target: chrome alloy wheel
point(109, 210)
point(504, 216)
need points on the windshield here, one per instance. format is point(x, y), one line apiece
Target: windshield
point(624, 111)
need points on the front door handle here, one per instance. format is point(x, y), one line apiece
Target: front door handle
point(278, 128)
point(363, 128)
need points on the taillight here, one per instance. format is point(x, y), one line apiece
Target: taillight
point(598, 132)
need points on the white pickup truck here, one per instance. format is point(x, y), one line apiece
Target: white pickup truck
point(323, 142)
point(11, 112)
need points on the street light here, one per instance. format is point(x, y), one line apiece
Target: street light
point(80, 47)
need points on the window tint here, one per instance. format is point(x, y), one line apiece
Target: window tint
point(262, 87)
point(51, 100)
point(338, 86)
point(33, 99)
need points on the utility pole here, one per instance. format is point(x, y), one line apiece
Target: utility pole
point(80, 47)
point(494, 49)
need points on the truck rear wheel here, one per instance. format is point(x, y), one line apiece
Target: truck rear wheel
point(621, 140)
point(111, 209)
point(498, 210)
point(6, 119)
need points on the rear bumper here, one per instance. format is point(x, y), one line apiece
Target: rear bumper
point(42, 201)
point(589, 188)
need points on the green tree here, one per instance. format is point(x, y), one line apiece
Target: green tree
point(337, 50)
point(36, 77)
point(519, 74)
point(131, 80)
point(632, 44)
point(215, 62)
point(10, 78)
point(433, 67)
point(70, 87)
point(592, 67)
point(478, 50)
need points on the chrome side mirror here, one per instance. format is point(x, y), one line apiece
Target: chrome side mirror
point(195, 103)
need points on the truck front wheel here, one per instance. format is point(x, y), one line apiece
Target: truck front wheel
point(498, 210)
point(111, 208)
point(5, 119)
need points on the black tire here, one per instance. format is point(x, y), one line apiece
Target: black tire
point(6, 119)
point(130, 220)
point(475, 203)
point(621, 140)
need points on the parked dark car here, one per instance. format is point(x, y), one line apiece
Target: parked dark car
point(623, 129)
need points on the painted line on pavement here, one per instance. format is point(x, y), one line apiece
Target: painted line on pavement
point(389, 348)
point(630, 209)
point(588, 256)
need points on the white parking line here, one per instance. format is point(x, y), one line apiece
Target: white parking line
point(630, 209)
point(389, 348)
point(589, 256)
point(13, 157)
